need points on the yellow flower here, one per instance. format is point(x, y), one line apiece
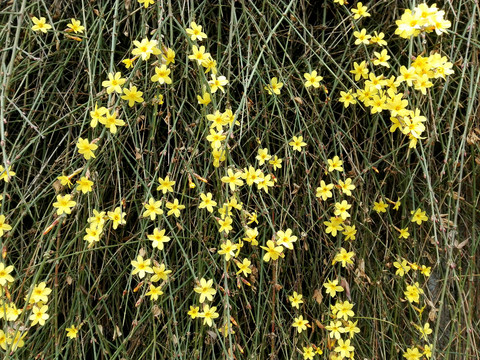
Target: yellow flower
point(84, 185)
point(378, 39)
point(334, 225)
point(251, 236)
point(274, 86)
point(194, 312)
point(7, 174)
point(64, 204)
point(117, 217)
point(346, 186)
point(332, 287)
point(300, 324)
point(362, 37)
point(3, 225)
point(265, 183)
point(141, 266)
point(86, 148)
point(217, 83)
point(114, 83)
point(272, 252)
point(286, 239)
point(111, 122)
point(153, 209)
point(347, 98)
point(40, 293)
point(252, 218)
point(40, 24)
point(72, 332)
point(158, 238)
point(297, 143)
point(419, 216)
point(162, 75)
point(312, 79)
point(205, 290)
point(425, 270)
point(344, 348)
point(75, 26)
point(360, 11)
point(209, 314)
point(335, 329)
point(207, 202)
point(402, 268)
point(344, 310)
point(341, 209)
point(413, 293)
point(228, 249)
point(225, 225)
point(295, 299)
point(215, 138)
point(335, 164)
point(308, 352)
point(17, 340)
point(344, 257)
point(360, 70)
point(351, 328)
point(169, 56)
point(276, 162)
point(397, 204)
point(146, 3)
point(380, 206)
point(427, 351)
point(218, 157)
point(217, 119)
point(403, 233)
point(93, 234)
point(98, 218)
point(349, 232)
point(244, 267)
point(166, 185)
point(97, 114)
point(425, 330)
point(161, 273)
point(323, 191)
point(412, 354)
point(174, 207)
point(199, 54)
point(132, 95)
point(232, 179)
point(263, 156)
point(39, 315)
point(195, 32)
point(145, 48)
point(381, 58)
point(159, 99)
point(129, 62)
point(154, 292)
point(5, 274)
point(210, 65)
point(205, 99)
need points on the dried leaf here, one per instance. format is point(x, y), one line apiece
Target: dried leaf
point(317, 295)
point(346, 286)
point(462, 244)
point(212, 334)
point(298, 100)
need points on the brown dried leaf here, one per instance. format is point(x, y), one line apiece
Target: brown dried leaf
point(346, 286)
point(317, 295)
point(461, 245)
